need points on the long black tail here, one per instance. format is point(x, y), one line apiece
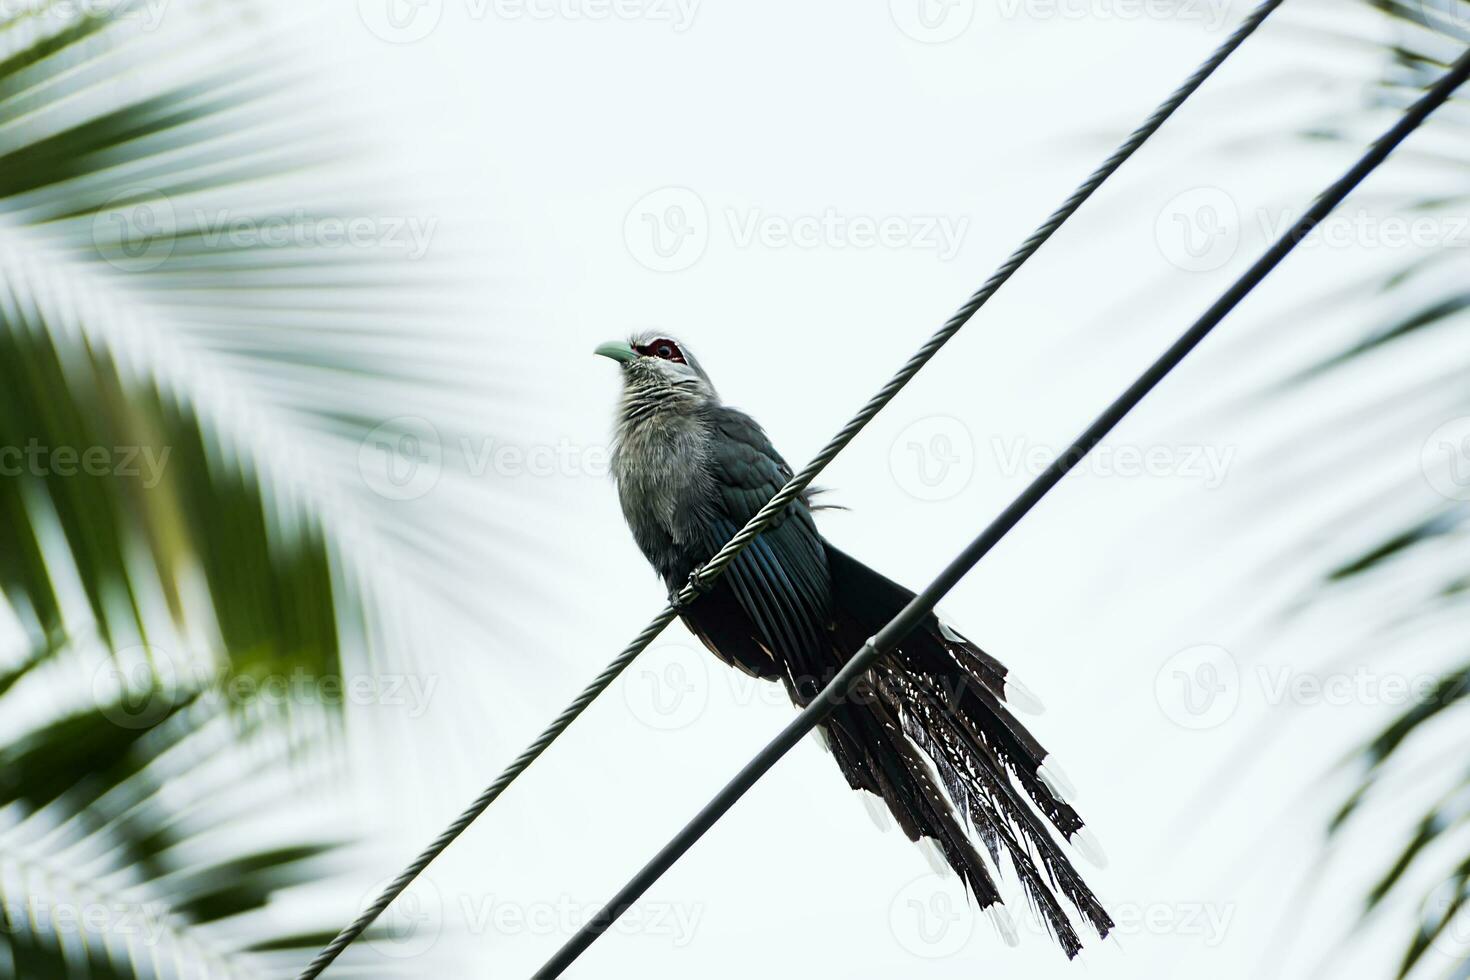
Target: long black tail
point(943, 697)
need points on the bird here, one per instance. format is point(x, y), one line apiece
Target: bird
point(930, 731)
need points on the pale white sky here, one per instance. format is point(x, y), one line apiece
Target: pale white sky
point(802, 193)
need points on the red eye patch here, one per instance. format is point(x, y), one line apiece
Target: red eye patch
point(663, 348)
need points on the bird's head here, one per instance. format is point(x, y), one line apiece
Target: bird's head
point(656, 367)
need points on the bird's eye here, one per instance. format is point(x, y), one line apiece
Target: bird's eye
point(663, 349)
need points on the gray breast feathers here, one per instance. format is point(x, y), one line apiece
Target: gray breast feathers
point(661, 466)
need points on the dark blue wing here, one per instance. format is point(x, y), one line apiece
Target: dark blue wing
point(781, 579)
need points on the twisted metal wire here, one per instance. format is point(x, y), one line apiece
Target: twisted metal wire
point(704, 576)
point(845, 684)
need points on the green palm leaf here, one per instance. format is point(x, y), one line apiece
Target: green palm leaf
point(1426, 304)
point(194, 351)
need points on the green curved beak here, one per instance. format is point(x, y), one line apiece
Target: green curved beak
point(618, 350)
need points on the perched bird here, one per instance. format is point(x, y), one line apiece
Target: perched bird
point(791, 608)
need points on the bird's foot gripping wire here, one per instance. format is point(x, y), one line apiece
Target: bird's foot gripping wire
point(697, 586)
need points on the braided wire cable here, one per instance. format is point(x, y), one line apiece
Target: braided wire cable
point(845, 683)
point(705, 575)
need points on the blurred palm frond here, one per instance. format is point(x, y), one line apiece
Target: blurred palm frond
point(203, 300)
point(1418, 309)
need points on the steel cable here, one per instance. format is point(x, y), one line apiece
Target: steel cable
point(707, 573)
point(847, 680)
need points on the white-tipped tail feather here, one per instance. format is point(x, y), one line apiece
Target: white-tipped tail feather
point(1005, 924)
point(1020, 697)
point(935, 857)
point(877, 812)
point(1056, 781)
point(1088, 846)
